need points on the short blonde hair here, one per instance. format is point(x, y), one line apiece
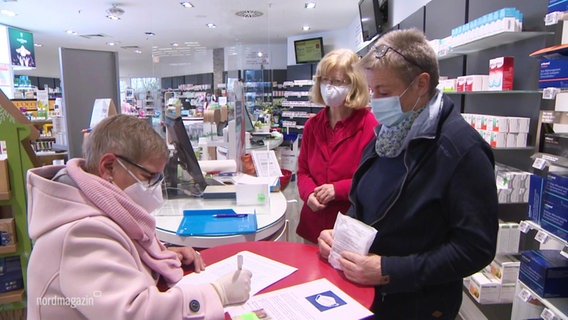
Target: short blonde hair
point(418, 56)
point(344, 60)
point(124, 135)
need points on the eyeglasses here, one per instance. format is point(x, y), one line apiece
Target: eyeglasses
point(381, 51)
point(155, 177)
point(334, 82)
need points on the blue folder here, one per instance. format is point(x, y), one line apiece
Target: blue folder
point(205, 223)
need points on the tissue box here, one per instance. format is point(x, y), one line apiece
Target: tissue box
point(501, 73)
point(545, 272)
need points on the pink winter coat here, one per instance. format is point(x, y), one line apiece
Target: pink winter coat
point(84, 266)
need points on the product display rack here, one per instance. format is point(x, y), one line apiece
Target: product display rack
point(17, 131)
point(297, 108)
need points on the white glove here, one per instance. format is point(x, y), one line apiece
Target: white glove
point(234, 287)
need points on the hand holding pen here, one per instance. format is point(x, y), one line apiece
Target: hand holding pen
point(234, 287)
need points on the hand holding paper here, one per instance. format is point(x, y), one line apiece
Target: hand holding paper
point(350, 235)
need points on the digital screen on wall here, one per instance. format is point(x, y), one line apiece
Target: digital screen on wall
point(21, 48)
point(308, 50)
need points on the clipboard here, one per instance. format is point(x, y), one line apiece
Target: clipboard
point(205, 223)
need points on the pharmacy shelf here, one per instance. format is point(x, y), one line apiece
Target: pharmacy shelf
point(493, 92)
point(557, 307)
point(543, 236)
point(491, 41)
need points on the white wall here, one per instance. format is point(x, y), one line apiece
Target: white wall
point(401, 9)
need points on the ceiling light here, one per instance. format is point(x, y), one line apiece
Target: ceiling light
point(186, 4)
point(115, 12)
point(8, 13)
point(211, 25)
point(149, 34)
point(310, 5)
point(38, 45)
point(71, 32)
point(175, 44)
point(306, 28)
point(259, 54)
point(138, 51)
point(111, 43)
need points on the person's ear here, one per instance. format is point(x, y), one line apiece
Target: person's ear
point(106, 166)
point(423, 83)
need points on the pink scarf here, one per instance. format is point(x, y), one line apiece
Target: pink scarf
point(138, 224)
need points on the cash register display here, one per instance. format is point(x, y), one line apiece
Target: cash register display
point(184, 155)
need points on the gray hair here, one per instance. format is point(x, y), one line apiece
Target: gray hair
point(417, 56)
point(123, 135)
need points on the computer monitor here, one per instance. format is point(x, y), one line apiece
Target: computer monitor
point(183, 155)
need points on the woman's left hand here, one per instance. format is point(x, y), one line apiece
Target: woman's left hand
point(187, 256)
point(325, 193)
point(365, 270)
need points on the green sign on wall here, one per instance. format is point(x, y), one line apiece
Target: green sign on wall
point(21, 48)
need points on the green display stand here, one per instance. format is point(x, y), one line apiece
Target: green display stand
point(17, 131)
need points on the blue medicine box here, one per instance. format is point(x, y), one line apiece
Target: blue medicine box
point(557, 5)
point(536, 191)
point(553, 73)
point(554, 214)
point(545, 272)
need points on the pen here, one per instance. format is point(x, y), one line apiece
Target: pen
point(230, 215)
point(240, 262)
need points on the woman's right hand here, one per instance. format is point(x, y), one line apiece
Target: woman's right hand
point(234, 287)
point(313, 203)
point(325, 240)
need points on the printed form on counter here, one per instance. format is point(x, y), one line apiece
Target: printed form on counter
point(350, 235)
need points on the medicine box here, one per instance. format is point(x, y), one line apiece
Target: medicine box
point(483, 289)
point(505, 268)
point(501, 73)
point(10, 274)
point(536, 191)
point(556, 144)
point(553, 73)
point(545, 272)
point(476, 82)
point(557, 5)
point(554, 216)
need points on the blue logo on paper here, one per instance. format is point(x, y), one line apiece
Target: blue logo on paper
point(325, 300)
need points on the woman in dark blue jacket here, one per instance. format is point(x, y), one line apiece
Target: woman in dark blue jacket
point(426, 183)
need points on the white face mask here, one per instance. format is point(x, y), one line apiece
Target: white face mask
point(334, 96)
point(148, 198)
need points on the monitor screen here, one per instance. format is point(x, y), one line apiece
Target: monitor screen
point(184, 154)
point(374, 15)
point(308, 50)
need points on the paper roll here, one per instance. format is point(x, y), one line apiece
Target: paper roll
point(218, 165)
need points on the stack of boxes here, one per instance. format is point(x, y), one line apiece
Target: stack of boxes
point(10, 274)
point(512, 184)
point(548, 202)
point(500, 131)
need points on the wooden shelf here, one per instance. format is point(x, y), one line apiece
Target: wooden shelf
point(12, 296)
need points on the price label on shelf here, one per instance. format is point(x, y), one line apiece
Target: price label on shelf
point(524, 227)
point(548, 315)
point(564, 251)
point(540, 163)
point(541, 237)
point(549, 93)
point(525, 295)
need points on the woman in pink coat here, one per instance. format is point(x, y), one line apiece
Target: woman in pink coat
point(96, 254)
point(332, 141)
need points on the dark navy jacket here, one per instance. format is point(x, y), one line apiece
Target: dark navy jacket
point(441, 222)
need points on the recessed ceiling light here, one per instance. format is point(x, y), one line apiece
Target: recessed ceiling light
point(138, 51)
point(8, 13)
point(149, 34)
point(186, 4)
point(38, 45)
point(174, 44)
point(310, 5)
point(306, 28)
point(259, 54)
point(71, 32)
point(211, 25)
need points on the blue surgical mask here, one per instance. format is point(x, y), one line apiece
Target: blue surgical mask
point(388, 110)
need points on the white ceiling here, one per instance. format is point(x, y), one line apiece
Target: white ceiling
point(48, 20)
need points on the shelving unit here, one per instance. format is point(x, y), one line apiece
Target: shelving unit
point(17, 131)
point(491, 41)
point(297, 108)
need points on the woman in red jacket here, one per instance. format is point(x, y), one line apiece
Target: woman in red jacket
point(332, 141)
